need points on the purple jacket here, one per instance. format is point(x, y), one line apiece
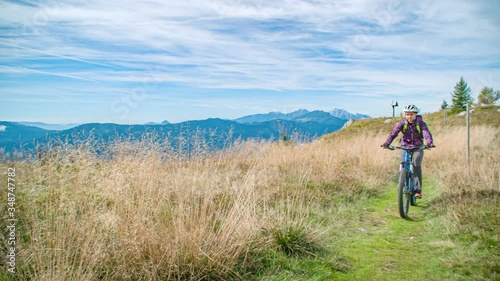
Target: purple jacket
point(411, 138)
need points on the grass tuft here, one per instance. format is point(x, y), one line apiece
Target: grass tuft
point(296, 241)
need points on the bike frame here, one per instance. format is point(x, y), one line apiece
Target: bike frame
point(408, 165)
point(408, 191)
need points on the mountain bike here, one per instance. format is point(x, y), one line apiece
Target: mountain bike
point(407, 180)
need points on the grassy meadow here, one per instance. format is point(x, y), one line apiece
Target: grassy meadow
point(254, 211)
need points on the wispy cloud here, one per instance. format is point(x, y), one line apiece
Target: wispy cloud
point(353, 49)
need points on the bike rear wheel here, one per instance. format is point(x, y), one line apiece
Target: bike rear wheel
point(404, 197)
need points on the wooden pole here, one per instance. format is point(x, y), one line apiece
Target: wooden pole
point(468, 135)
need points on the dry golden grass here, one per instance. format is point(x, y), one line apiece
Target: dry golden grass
point(470, 190)
point(140, 217)
point(149, 212)
point(449, 163)
point(469, 200)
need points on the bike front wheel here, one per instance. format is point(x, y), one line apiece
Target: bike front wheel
point(404, 197)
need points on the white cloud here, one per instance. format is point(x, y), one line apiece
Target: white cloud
point(351, 48)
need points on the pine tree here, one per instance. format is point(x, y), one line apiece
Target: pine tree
point(461, 96)
point(488, 96)
point(444, 105)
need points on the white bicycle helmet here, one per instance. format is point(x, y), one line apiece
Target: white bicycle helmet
point(411, 108)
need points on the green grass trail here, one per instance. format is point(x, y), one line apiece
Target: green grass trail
point(377, 244)
point(383, 246)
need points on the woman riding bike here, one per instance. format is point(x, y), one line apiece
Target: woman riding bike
point(414, 131)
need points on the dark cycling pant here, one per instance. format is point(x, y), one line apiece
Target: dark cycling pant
point(418, 156)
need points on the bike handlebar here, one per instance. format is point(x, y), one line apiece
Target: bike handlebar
point(407, 148)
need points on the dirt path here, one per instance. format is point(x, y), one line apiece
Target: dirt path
point(386, 247)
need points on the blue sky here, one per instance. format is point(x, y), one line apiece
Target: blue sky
point(139, 61)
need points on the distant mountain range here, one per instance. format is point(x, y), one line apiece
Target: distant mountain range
point(256, 118)
point(49, 126)
point(165, 122)
point(308, 124)
point(302, 114)
point(343, 114)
